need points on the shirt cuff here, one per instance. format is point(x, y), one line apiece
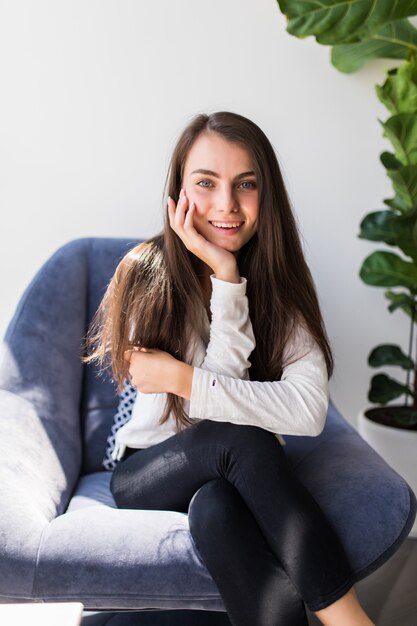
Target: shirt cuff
point(202, 382)
point(223, 288)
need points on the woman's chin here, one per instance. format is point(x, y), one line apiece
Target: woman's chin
point(230, 247)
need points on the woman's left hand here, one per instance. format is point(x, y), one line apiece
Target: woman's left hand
point(156, 371)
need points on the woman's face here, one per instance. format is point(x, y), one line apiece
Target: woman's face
point(219, 177)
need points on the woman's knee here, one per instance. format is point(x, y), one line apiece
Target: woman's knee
point(215, 506)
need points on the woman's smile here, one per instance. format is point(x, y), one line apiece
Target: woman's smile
point(227, 228)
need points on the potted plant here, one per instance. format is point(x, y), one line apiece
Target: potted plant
point(391, 427)
point(396, 226)
point(382, 30)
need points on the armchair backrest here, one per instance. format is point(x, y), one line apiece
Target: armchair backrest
point(43, 345)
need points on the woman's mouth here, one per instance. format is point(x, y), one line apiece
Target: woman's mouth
point(227, 228)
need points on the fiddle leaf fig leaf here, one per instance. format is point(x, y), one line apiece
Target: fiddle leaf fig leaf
point(401, 130)
point(386, 226)
point(376, 227)
point(391, 41)
point(397, 203)
point(384, 389)
point(399, 91)
point(400, 301)
point(395, 230)
point(389, 161)
point(389, 354)
point(405, 185)
point(342, 21)
point(386, 269)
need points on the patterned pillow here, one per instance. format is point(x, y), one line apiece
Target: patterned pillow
point(123, 415)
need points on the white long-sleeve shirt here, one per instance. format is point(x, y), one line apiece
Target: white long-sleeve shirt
point(221, 389)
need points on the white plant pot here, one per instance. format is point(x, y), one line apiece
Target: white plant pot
point(398, 447)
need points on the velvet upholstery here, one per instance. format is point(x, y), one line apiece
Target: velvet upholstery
point(61, 536)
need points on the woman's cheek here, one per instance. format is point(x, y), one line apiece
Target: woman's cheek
point(201, 204)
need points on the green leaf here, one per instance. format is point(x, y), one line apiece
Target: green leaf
point(401, 130)
point(389, 354)
point(405, 185)
point(376, 226)
point(342, 21)
point(397, 203)
point(389, 161)
point(392, 229)
point(385, 269)
point(384, 389)
point(400, 301)
point(399, 91)
point(392, 41)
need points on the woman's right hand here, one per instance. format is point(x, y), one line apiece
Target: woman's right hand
point(222, 262)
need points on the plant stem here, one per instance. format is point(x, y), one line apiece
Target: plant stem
point(415, 380)
point(410, 350)
point(415, 385)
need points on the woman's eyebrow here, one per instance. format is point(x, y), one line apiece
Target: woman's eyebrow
point(211, 173)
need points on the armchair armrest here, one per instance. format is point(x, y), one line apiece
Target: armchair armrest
point(371, 506)
point(40, 392)
point(34, 489)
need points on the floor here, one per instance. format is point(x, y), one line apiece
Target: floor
point(390, 593)
point(389, 597)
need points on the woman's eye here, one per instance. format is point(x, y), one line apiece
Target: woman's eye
point(252, 184)
point(249, 182)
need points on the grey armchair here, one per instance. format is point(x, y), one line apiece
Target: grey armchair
point(61, 536)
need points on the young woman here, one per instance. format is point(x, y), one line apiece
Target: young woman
point(217, 324)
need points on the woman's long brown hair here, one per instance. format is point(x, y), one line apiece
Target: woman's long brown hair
point(155, 298)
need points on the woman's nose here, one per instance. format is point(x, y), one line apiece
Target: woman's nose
point(227, 201)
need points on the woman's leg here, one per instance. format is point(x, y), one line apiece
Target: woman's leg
point(345, 612)
point(168, 474)
point(254, 587)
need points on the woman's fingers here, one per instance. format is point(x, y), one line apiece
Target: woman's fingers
point(172, 209)
point(180, 218)
point(127, 354)
point(170, 203)
point(182, 208)
point(177, 211)
point(188, 221)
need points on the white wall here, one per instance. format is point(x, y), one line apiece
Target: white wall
point(94, 94)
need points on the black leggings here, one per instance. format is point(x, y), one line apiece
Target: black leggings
point(262, 536)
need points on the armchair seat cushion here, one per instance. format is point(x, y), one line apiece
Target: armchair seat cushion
point(118, 559)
